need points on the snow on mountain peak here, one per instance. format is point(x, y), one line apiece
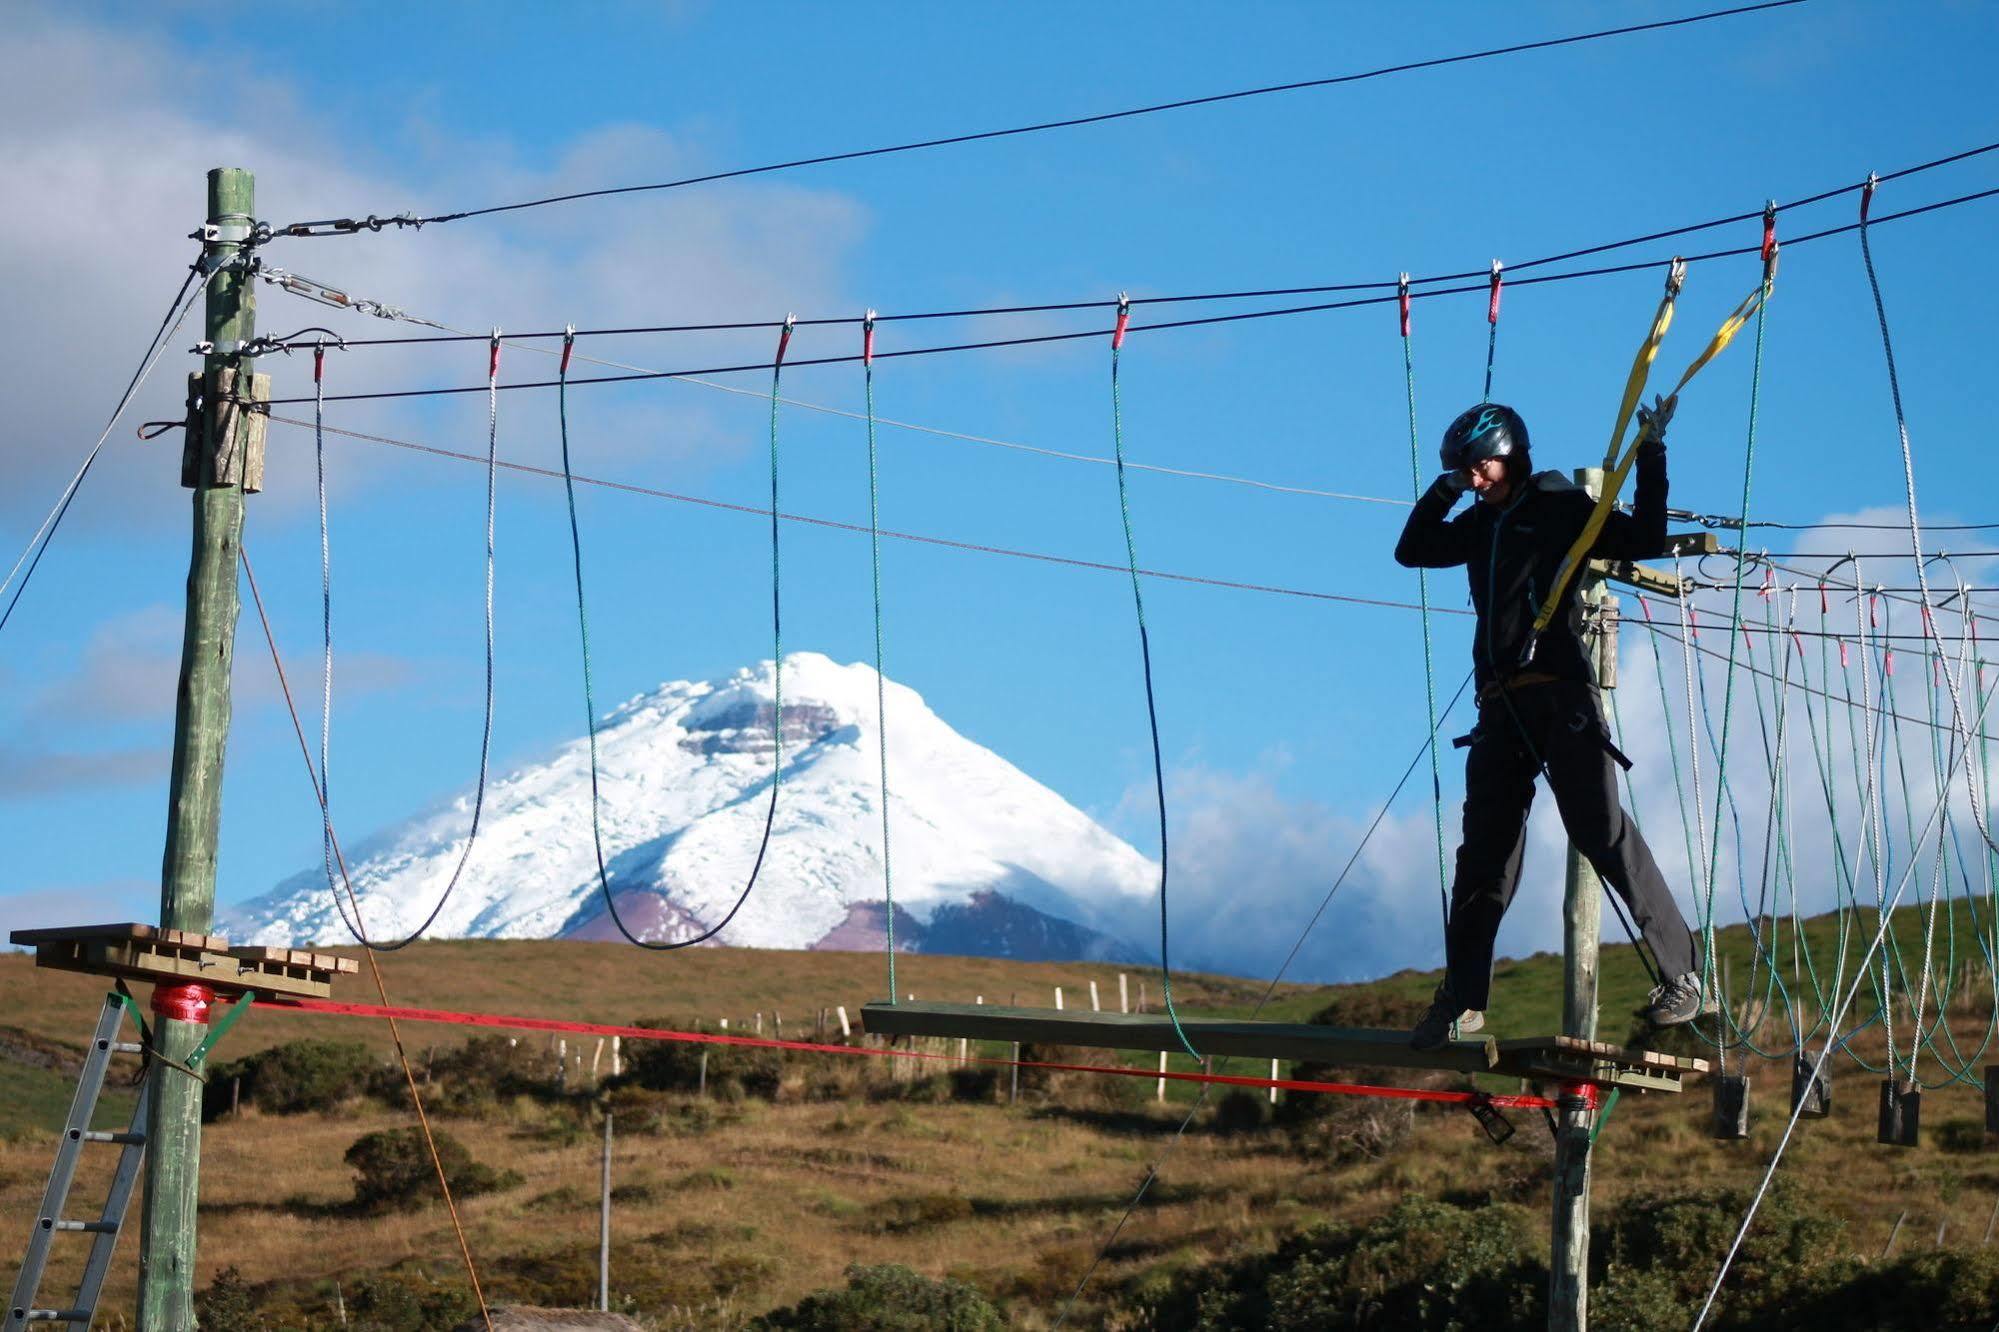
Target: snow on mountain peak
point(986, 859)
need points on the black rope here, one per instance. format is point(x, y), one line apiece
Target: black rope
point(1203, 321)
point(375, 223)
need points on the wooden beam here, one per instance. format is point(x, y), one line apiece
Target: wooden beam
point(1148, 1031)
point(1545, 1058)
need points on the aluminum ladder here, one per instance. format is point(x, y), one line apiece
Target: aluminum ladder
point(49, 1221)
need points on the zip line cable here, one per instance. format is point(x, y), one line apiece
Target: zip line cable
point(348, 226)
point(285, 279)
point(777, 675)
point(38, 544)
point(1199, 322)
point(492, 462)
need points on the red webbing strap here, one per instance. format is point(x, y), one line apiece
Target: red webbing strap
point(333, 1008)
point(1492, 303)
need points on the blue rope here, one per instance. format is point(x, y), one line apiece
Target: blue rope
point(1145, 659)
point(1423, 599)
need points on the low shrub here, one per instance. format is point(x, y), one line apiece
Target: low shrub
point(228, 1305)
point(734, 1071)
point(407, 1302)
point(394, 1172)
point(1242, 1111)
point(298, 1077)
point(887, 1298)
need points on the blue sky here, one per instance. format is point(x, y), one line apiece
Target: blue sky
point(1284, 720)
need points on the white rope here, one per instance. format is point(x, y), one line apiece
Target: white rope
point(1818, 1069)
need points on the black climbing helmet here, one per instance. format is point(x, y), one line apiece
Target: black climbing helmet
point(1489, 430)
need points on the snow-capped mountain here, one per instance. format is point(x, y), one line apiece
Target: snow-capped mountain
point(986, 859)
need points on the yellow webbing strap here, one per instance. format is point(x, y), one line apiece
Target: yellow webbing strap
point(1618, 467)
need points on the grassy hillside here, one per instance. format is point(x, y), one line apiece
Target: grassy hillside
point(727, 1208)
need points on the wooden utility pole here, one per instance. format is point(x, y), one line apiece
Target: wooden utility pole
point(1582, 913)
point(201, 733)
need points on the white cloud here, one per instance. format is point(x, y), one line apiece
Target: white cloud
point(118, 145)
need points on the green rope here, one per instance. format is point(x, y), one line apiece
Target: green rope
point(1713, 850)
point(1429, 658)
point(1145, 658)
point(881, 688)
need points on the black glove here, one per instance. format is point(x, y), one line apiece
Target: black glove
point(1453, 483)
point(1652, 423)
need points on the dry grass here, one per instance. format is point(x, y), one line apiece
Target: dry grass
point(729, 1210)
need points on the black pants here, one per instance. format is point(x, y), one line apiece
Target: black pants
point(1557, 725)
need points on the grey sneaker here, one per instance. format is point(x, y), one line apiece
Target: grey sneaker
point(1434, 1029)
point(1678, 1001)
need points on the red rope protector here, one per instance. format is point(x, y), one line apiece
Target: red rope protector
point(868, 339)
point(568, 347)
point(493, 357)
point(1769, 587)
point(183, 1001)
point(330, 1007)
point(318, 362)
point(1888, 662)
point(1874, 610)
point(1492, 305)
point(1402, 294)
point(1842, 654)
point(1822, 601)
point(1798, 639)
point(1769, 233)
point(784, 339)
point(1693, 624)
point(1867, 195)
point(1123, 321)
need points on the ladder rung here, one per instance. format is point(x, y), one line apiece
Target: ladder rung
point(122, 1138)
point(89, 1227)
point(58, 1316)
point(127, 1047)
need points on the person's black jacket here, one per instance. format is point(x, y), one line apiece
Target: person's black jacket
point(1511, 556)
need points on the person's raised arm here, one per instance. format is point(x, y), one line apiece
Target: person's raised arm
point(1641, 534)
point(1431, 539)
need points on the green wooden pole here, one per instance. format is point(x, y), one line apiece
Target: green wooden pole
point(1582, 906)
point(194, 807)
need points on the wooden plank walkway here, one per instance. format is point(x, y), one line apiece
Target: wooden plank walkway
point(139, 952)
point(1560, 1058)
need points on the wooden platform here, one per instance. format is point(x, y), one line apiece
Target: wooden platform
point(148, 953)
point(1560, 1058)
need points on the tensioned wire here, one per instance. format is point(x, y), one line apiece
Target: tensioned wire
point(348, 226)
point(1200, 322)
point(38, 545)
point(650, 492)
point(1053, 307)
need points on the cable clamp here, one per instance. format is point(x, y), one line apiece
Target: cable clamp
point(347, 226)
point(1676, 277)
point(236, 348)
point(224, 233)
